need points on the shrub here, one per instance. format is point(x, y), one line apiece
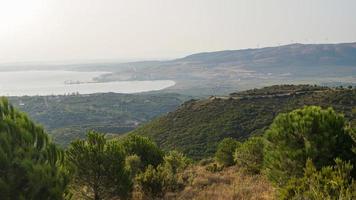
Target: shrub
point(225, 151)
point(305, 133)
point(99, 168)
point(149, 152)
point(249, 155)
point(329, 183)
point(150, 182)
point(171, 170)
point(176, 161)
point(167, 177)
point(133, 164)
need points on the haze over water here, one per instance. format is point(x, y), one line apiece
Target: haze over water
point(31, 83)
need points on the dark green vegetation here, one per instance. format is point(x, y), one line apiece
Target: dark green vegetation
point(307, 153)
point(31, 166)
point(225, 151)
point(98, 168)
point(249, 155)
point(145, 149)
point(330, 182)
point(166, 177)
point(122, 168)
point(69, 117)
point(320, 135)
point(198, 125)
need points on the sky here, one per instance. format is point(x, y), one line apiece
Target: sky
point(80, 30)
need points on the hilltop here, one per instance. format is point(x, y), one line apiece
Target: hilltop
point(197, 126)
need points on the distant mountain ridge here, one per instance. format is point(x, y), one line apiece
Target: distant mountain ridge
point(221, 72)
point(292, 54)
point(227, 71)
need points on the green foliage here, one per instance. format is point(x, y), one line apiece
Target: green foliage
point(225, 151)
point(329, 183)
point(69, 117)
point(150, 182)
point(173, 165)
point(99, 168)
point(149, 152)
point(133, 164)
point(31, 167)
point(249, 155)
point(167, 177)
point(176, 162)
point(197, 126)
point(305, 133)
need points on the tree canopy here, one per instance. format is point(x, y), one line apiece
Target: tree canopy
point(309, 133)
point(148, 151)
point(98, 168)
point(225, 151)
point(31, 166)
point(249, 155)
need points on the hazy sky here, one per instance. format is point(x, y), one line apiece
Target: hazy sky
point(57, 30)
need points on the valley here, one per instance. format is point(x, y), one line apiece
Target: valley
point(69, 117)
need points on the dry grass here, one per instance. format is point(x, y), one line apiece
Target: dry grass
point(229, 184)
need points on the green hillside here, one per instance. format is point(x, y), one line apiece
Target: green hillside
point(197, 125)
point(68, 117)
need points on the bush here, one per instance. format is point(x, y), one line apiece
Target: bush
point(213, 168)
point(133, 164)
point(150, 182)
point(176, 161)
point(98, 168)
point(31, 166)
point(305, 133)
point(249, 155)
point(167, 177)
point(149, 152)
point(173, 165)
point(225, 151)
point(328, 183)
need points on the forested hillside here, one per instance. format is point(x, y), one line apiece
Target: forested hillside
point(307, 153)
point(197, 126)
point(69, 117)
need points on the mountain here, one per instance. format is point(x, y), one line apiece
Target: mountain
point(287, 55)
point(198, 125)
point(223, 72)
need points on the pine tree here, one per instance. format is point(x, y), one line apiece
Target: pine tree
point(225, 151)
point(31, 166)
point(308, 133)
point(148, 151)
point(98, 168)
point(249, 155)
